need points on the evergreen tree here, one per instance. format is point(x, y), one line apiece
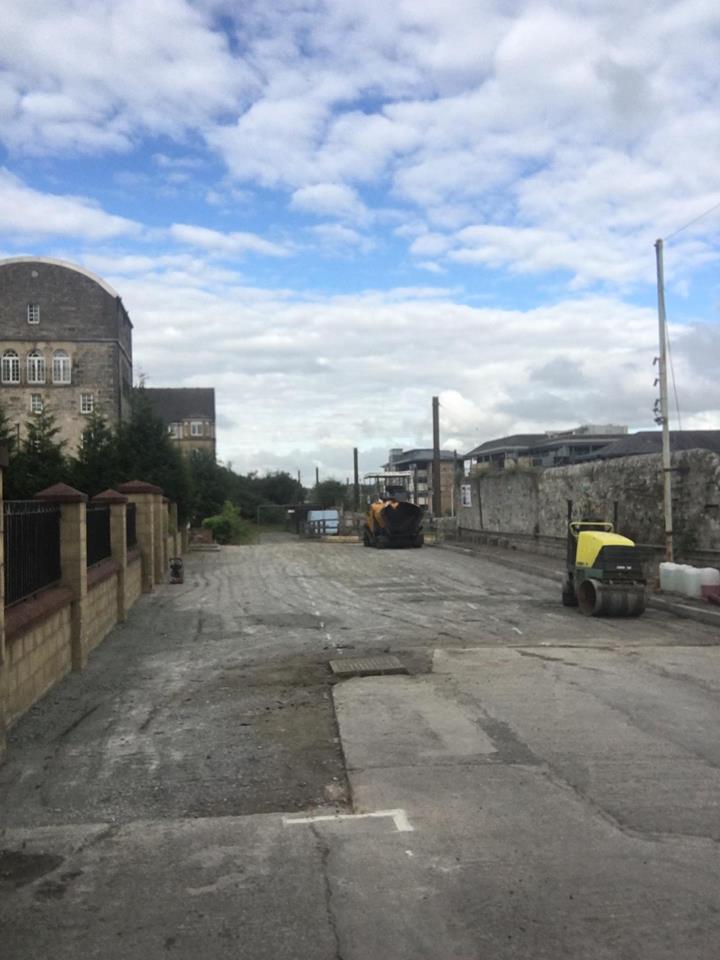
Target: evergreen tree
point(40, 461)
point(146, 452)
point(8, 436)
point(95, 467)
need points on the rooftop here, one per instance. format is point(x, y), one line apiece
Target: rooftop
point(173, 404)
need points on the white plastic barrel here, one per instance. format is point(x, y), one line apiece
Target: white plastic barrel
point(669, 576)
point(691, 582)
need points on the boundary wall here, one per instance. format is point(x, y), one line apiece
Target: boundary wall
point(45, 636)
point(527, 509)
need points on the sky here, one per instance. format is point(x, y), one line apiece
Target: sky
point(333, 211)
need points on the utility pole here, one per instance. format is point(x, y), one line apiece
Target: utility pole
point(661, 408)
point(317, 476)
point(356, 479)
point(436, 491)
point(299, 478)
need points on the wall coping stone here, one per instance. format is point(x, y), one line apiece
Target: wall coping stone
point(138, 486)
point(61, 493)
point(101, 571)
point(22, 617)
point(109, 496)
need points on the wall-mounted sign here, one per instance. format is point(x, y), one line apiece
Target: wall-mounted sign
point(465, 495)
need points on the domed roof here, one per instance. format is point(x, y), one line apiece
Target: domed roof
point(68, 266)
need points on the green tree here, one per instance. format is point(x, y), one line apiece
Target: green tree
point(8, 436)
point(279, 487)
point(211, 485)
point(40, 461)
point(146, 452)
point(329, 493)
point(95, 466)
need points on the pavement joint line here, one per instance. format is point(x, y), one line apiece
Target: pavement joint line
point(399, 817)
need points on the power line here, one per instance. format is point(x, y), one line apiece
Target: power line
point(694, 220)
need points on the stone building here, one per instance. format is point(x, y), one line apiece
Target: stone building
point(189, 414)
point(419, 463)
point(65, 346)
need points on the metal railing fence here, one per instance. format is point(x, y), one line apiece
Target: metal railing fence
point(131, 526)
point(32, 548)
point(98, 533)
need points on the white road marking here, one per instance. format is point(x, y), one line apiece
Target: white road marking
point(473, 606)
point(516, 630)
point(399, 818)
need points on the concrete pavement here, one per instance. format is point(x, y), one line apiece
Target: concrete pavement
point(187, 795)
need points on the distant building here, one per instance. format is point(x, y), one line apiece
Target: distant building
point(65, 346)
point(419, 464)
point(188, 413)
point(650, 441)
point(544, 449)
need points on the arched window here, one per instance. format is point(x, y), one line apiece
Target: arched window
point(61, 367)
point(35, 367)
point(10, 367)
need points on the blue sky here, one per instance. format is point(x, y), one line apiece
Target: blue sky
point(331, 211)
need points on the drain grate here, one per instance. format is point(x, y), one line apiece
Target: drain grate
point(367, 666)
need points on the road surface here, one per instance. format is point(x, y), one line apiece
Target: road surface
point(539, 786)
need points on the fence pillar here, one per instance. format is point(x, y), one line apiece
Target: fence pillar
point(177, 546)
point(144, 495)
point(3, 661)
point(73, 561)
point(165, 514)
point(118, 541)
point(160, 548)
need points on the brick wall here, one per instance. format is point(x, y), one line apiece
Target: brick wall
point(52, 632)
point(133, 579)
point(101, 602)
point(37, 656)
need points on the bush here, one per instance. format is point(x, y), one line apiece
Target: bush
point(229, 526)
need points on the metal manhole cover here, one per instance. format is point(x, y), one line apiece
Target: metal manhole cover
point(367, 666)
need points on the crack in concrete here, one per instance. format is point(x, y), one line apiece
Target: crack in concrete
point(323, 849)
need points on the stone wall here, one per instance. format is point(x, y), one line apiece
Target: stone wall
point(533, 502)
point(78, 314)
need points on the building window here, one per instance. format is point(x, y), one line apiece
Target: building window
point(36, 403)
point(175, 430)
point(33, 313)
point(87, 402)
point(36, 367)
point(61, 367)
point(10, 367)
point(196, 428)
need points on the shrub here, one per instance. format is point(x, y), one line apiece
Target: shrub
point(229, 526)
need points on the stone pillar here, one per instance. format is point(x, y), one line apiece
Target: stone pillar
point(144, 495)
point(166, 533)
point(3, 661)
point(160, 547)
point(177, 547)
point(73, 561)
point(118, 541)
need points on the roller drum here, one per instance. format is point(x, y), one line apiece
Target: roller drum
point(598, 599)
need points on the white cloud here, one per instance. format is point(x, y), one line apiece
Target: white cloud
point(330, 199)
point(28, 213)
point(340, 363)
point(234, 242)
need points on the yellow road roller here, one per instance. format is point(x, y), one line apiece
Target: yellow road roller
point(605, 575)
